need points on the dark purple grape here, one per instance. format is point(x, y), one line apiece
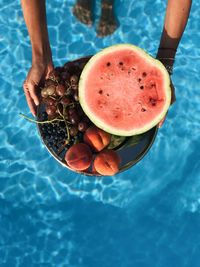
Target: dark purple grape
point(73, 131)
point(80, 111)
point(50, 82)
point(71, 111)
point(65, 76)
point(51, 117)
point(74, 118)
point(81, 65)
point(51, 110)
point(45, 100)
point(74, 79)
point(86, 119)
point(59, 69)
point(74, 82)
point(50, 101)
point(65, 100)
point(70, 67)
point(75, 95)
point(82, 126)
point(60, 89)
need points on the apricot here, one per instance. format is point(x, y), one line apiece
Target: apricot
point(79, 157)
point(96, 138)
point(107, 162)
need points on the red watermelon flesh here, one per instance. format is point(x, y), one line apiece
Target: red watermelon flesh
point(124, 91)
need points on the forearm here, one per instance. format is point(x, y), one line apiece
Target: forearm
point(176, 18)
point(35, 18)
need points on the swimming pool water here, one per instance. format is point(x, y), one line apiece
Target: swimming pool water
point(148, 216)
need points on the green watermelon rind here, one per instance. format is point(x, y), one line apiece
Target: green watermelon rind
point(97, 121)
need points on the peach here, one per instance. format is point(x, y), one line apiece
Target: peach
point(96, 138)
point(79, 157)
point(94, 172)
point(107, 162)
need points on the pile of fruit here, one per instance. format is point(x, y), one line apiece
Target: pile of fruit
point(92, 152)
point(101, 89)
point(65, 127)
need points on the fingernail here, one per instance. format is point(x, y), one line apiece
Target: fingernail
point(33, 113)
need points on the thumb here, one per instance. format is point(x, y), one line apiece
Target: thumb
point(49, 70)
point(161, 122)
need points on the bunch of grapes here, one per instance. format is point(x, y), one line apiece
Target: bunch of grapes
point(62, 109)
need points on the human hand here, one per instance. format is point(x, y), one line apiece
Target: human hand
point(167, 56)
point(37, 73)
point(173, 99)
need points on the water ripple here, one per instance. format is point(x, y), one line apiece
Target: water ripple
point(54, 216)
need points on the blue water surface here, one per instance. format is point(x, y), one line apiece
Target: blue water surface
point(147, 216)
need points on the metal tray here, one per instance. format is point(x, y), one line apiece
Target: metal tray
point(129, 154)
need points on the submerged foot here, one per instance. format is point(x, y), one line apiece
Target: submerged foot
point(108, 22)
point(82, 10)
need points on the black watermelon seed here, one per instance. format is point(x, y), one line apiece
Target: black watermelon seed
point(152, 101)
point(142, 87)
point(108, 64)
point(143, 109)
point(121, 63)
point(144, 74)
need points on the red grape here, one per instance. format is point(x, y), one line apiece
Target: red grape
point(65, 100)
point(71, 111)
point(51, 110)
point(59, 69)
point(74, 118)
point(73, 130)
point(60, 89)
point(65, 76)
point(49, 82)
point(50, 101)
point(86, 119)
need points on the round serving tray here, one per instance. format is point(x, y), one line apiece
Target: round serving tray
point(131, 151)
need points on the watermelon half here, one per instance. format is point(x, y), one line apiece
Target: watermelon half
point(124, 91)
